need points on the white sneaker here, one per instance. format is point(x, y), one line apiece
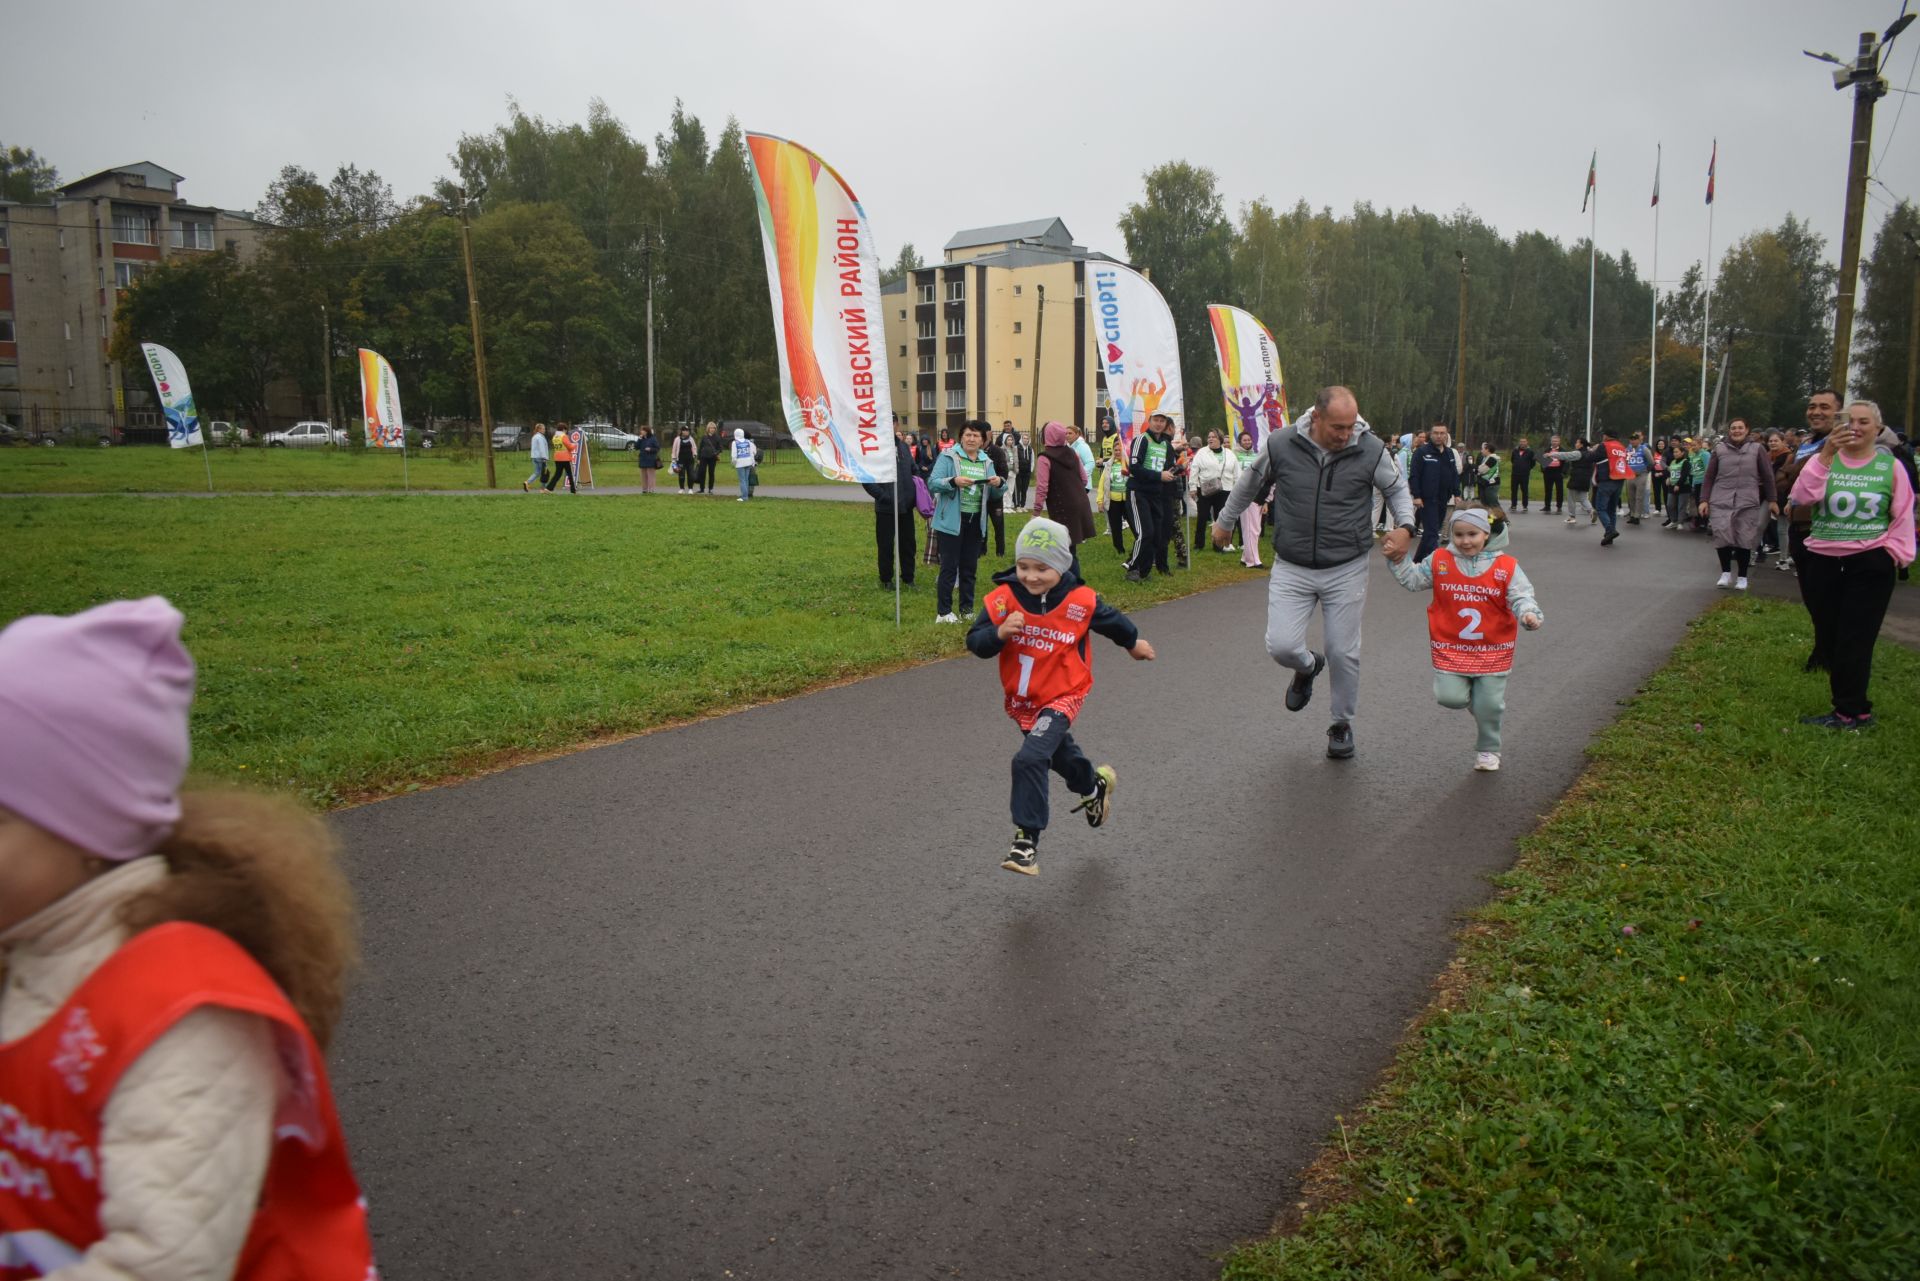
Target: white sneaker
point(1739, 584)
point(1487, 761)
point(1725, 579)
point(946, 618)
point(1569, 520)
point(1229, 548)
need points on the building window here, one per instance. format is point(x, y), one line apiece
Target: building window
point(956, 291)
point(1016, 291)
point(927, 401)
point(926, 364)
point(903, 313)
point(190, 234)
point(956, 362)
point(69, 377)
point(903, 384)
point(926, 329)
point(132, 227)
point(66, 327)
point(956, 326)
point(926, 293)
point(1016, 362)
point(957, 399)
point(6, 328)
point(125, 273)
point(3, 235)
point(903, 349)
point(1016, 326)
point(1016, 400)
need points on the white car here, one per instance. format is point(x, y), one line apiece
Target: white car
point(220, 433)
point(306, 435)
point(607, 436)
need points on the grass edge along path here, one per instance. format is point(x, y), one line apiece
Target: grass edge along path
point(1684, 1040)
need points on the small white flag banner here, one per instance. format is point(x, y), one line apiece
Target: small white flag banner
point(380, 402)
point(176, 397)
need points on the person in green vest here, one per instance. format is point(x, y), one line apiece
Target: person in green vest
point(1862, 506)
point(1114, 482)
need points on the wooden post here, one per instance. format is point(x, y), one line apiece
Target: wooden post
point(479, 351)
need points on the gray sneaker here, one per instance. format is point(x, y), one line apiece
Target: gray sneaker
point(1300, 690)
point(1340, 741)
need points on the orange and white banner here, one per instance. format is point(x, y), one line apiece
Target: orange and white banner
point(827, 320)
point(380, 402)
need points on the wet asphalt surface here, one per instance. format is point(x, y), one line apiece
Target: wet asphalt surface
point(752, 998)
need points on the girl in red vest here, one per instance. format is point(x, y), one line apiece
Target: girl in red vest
point(173, 964)
point(1479, 595)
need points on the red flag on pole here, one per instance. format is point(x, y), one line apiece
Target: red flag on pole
point(1656, 174)
point(1711, 165)
point(1592, 165)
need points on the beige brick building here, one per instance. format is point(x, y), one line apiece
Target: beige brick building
point(63, 267)
point(965, 336)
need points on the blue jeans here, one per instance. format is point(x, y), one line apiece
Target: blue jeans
point(745, 476)
point(539, 474)
point(1606, 501)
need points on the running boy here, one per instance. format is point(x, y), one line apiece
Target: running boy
point(1037, 620)
point(1479, 593)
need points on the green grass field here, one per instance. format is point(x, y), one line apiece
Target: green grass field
point(1689, 1044)
point(359, 645)
point(153, 469)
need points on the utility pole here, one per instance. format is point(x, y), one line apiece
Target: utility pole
point(1460, 375)
point(648, 256)
point(1033, 402)
point(1863, 76)
point(479, 351)
point(1913, 336)
point(326, 365)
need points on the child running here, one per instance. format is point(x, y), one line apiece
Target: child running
point(1478, 594)
point(173, 964)
point(1037, 619)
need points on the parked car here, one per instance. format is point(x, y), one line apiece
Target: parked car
point(221, 433)
point(607, 436)
point(509, 436)
point(307, 435)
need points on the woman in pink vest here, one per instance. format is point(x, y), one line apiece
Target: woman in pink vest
point(173, 965)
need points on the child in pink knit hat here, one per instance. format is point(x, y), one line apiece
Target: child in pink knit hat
point(173, 964)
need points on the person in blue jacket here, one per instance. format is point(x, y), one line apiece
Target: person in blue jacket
point(1434, 483)
point(962, 478)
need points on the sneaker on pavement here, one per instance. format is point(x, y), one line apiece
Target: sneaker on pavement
point(1100, 804)
point(1340, 741)
point(1607, 539)
point(1487, 761)
point(1740, 584)
point(1569, 520)
point(1300, 691)
point(946, 618)
point(1725, 579)
point(1024, 857)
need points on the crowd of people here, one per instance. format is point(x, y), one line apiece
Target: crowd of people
point(693, 460)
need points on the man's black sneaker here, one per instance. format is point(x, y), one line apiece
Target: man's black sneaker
point(1300, 692)
point(1340, 741)
point(1606, 540)
point(1135, 576)
point(1024, 857)
point(1100, 803)
point(1830, 720)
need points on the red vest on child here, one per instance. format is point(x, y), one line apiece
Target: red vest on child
point(56, 1080)
point(1046, 665)
point(1472, 625)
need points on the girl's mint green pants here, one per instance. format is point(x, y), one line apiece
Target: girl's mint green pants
point(1486, 695)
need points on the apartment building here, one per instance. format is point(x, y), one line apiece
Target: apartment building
point(996, 331)
point(63, 267)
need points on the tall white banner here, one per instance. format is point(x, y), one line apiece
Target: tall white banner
point(380, 402)
point(1250, 376)
point(827, 318)
point(1137, 347)
point(176, 397)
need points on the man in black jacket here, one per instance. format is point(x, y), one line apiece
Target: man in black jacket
point(893, 516)
point(1434, 480)
point(1519, 472)
point(1154, 485)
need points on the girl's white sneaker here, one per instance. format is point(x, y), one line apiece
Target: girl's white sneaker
point(1488, 761)
point(1739, 584)
point(1725, 579)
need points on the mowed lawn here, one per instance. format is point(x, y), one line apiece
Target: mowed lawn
point(359, 645)
point(137, 469)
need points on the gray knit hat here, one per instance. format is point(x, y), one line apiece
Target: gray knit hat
point(1046, 541)
point(1474, 516)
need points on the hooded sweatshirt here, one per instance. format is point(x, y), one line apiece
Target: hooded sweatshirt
point(1322, 499)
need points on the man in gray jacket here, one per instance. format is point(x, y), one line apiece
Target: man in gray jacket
point(1325, 470)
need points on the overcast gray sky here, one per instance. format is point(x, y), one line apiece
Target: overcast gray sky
point(951, 116)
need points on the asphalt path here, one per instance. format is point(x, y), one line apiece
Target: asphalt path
point(752, 997)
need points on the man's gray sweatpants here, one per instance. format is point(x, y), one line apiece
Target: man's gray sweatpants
point(1341, 594)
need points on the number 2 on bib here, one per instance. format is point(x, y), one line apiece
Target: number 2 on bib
point(1472, 630)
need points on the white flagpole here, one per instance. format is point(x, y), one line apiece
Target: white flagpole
point(1653, 342)
point(1593, 258)
point(1706, 316)
point(207, 458)
point(898, 562)
point(405, 482)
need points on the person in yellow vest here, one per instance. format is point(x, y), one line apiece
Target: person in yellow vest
point(562, 458)
point(174, 964)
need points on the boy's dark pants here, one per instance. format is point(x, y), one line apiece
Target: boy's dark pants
point(1048, 746)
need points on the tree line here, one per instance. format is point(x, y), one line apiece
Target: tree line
point(572, 224)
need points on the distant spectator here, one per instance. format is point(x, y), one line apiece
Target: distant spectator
point(538, 447)
point(710, 447)
point(647, 453)
point(562, 459)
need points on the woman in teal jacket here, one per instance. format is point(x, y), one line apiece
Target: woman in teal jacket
point(962, 478)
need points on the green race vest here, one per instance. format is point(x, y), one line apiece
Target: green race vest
point(976, 470)
point(1117, 481)
point(1156, 454)
point(1857, 506)
point(1246, 458)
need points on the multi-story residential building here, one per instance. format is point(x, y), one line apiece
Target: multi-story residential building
point(63, 267)
point(966, 338)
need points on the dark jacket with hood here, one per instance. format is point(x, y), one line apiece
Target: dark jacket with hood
point(1066, 500)
point(983, 638)
point(883, 494)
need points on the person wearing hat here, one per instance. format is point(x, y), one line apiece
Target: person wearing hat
point(1480, 593)
point(174, 963)
point(1036, 621)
